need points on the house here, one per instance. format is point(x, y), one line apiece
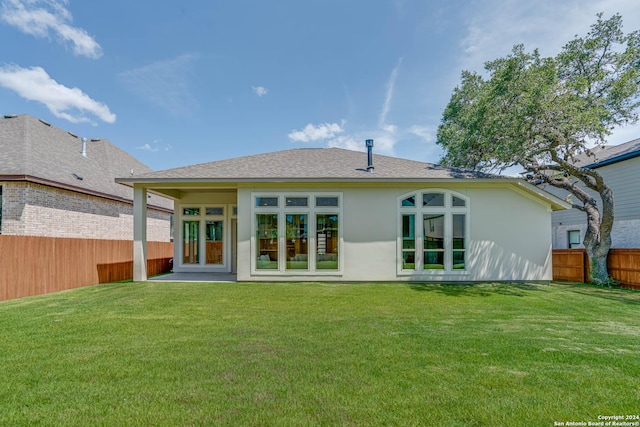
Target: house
point(56, 184)
point(619, 166)
point(331, 214)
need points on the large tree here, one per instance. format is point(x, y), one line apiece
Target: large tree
point(541, 113)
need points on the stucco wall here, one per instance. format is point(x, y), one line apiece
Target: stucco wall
point(509, 236)
point(38, 210)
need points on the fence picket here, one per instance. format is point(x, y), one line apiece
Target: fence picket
point(33, 265)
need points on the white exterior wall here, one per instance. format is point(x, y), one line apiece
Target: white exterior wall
point(509, 236)
point(37, 210)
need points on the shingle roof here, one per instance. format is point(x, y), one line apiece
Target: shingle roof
point(32, 149)
point(610, 154)
point(309, 164)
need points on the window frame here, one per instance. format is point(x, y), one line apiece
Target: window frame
point(419, 211)
point(202, 218)
point(571, 244)
point(311, 211)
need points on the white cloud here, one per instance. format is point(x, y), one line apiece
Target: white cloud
point(386, 106)
point(154, 147)
point(260, 90)
point(494, 26)
point(147, 147)
point(427, 133)
point(383, 141)
point(164, 84)
point(315, 133)
point(43, 18)
point(34, 84)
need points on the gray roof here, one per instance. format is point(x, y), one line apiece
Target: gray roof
point(609, 154)
point(33, 150)
point(308, 164)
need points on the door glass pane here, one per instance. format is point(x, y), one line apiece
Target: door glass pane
point(297, 243)
point(214, 242)
point(214, 211)
point(433, 241)
point(327, 241)
point(191, 211)
point(267, 241)
point(190, 242)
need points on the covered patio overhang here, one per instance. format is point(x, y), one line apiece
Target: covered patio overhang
point(176, 190)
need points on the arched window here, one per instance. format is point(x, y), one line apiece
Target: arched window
point(433, 230)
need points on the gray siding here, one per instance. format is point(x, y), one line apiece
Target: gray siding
point(624, 179)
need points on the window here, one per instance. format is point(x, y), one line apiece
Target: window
point(267, 241)
point(267, 201)
point(326, 202)
point(214, 211)
point(433, 236)
point(214, 234)
point(327, 241)
point(295, 201)
point(574, 239)
point(285, 241)
point(190, 211)
point(297, 242)
point(433, 242)
point(408, 241)
point(190, 240)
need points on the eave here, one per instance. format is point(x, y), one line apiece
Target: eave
point(63, 186)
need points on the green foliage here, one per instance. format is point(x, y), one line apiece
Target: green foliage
point(535, 111)
point(540, 113)
point(290, 354)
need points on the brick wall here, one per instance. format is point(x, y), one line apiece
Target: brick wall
point(38, 210)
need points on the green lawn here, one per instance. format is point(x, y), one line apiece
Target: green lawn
point(319, 354)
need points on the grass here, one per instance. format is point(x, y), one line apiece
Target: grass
point(319, 354)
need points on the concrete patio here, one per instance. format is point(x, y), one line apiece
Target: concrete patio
point(194, 277)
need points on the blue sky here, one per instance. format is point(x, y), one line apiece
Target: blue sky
point(178, 83)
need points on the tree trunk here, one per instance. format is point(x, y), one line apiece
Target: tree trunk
point(597, 240)
point(598, 272)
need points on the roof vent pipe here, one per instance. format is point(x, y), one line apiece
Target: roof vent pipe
point(369, 143)
point(84, 147)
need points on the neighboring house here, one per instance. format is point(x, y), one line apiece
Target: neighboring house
point(55, 185)
point(334, 215)
point(620, 168)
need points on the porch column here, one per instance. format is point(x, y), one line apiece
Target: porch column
point(139, 233)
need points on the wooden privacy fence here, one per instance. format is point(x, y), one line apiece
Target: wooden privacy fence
point(31, 265)
point(573, 265)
